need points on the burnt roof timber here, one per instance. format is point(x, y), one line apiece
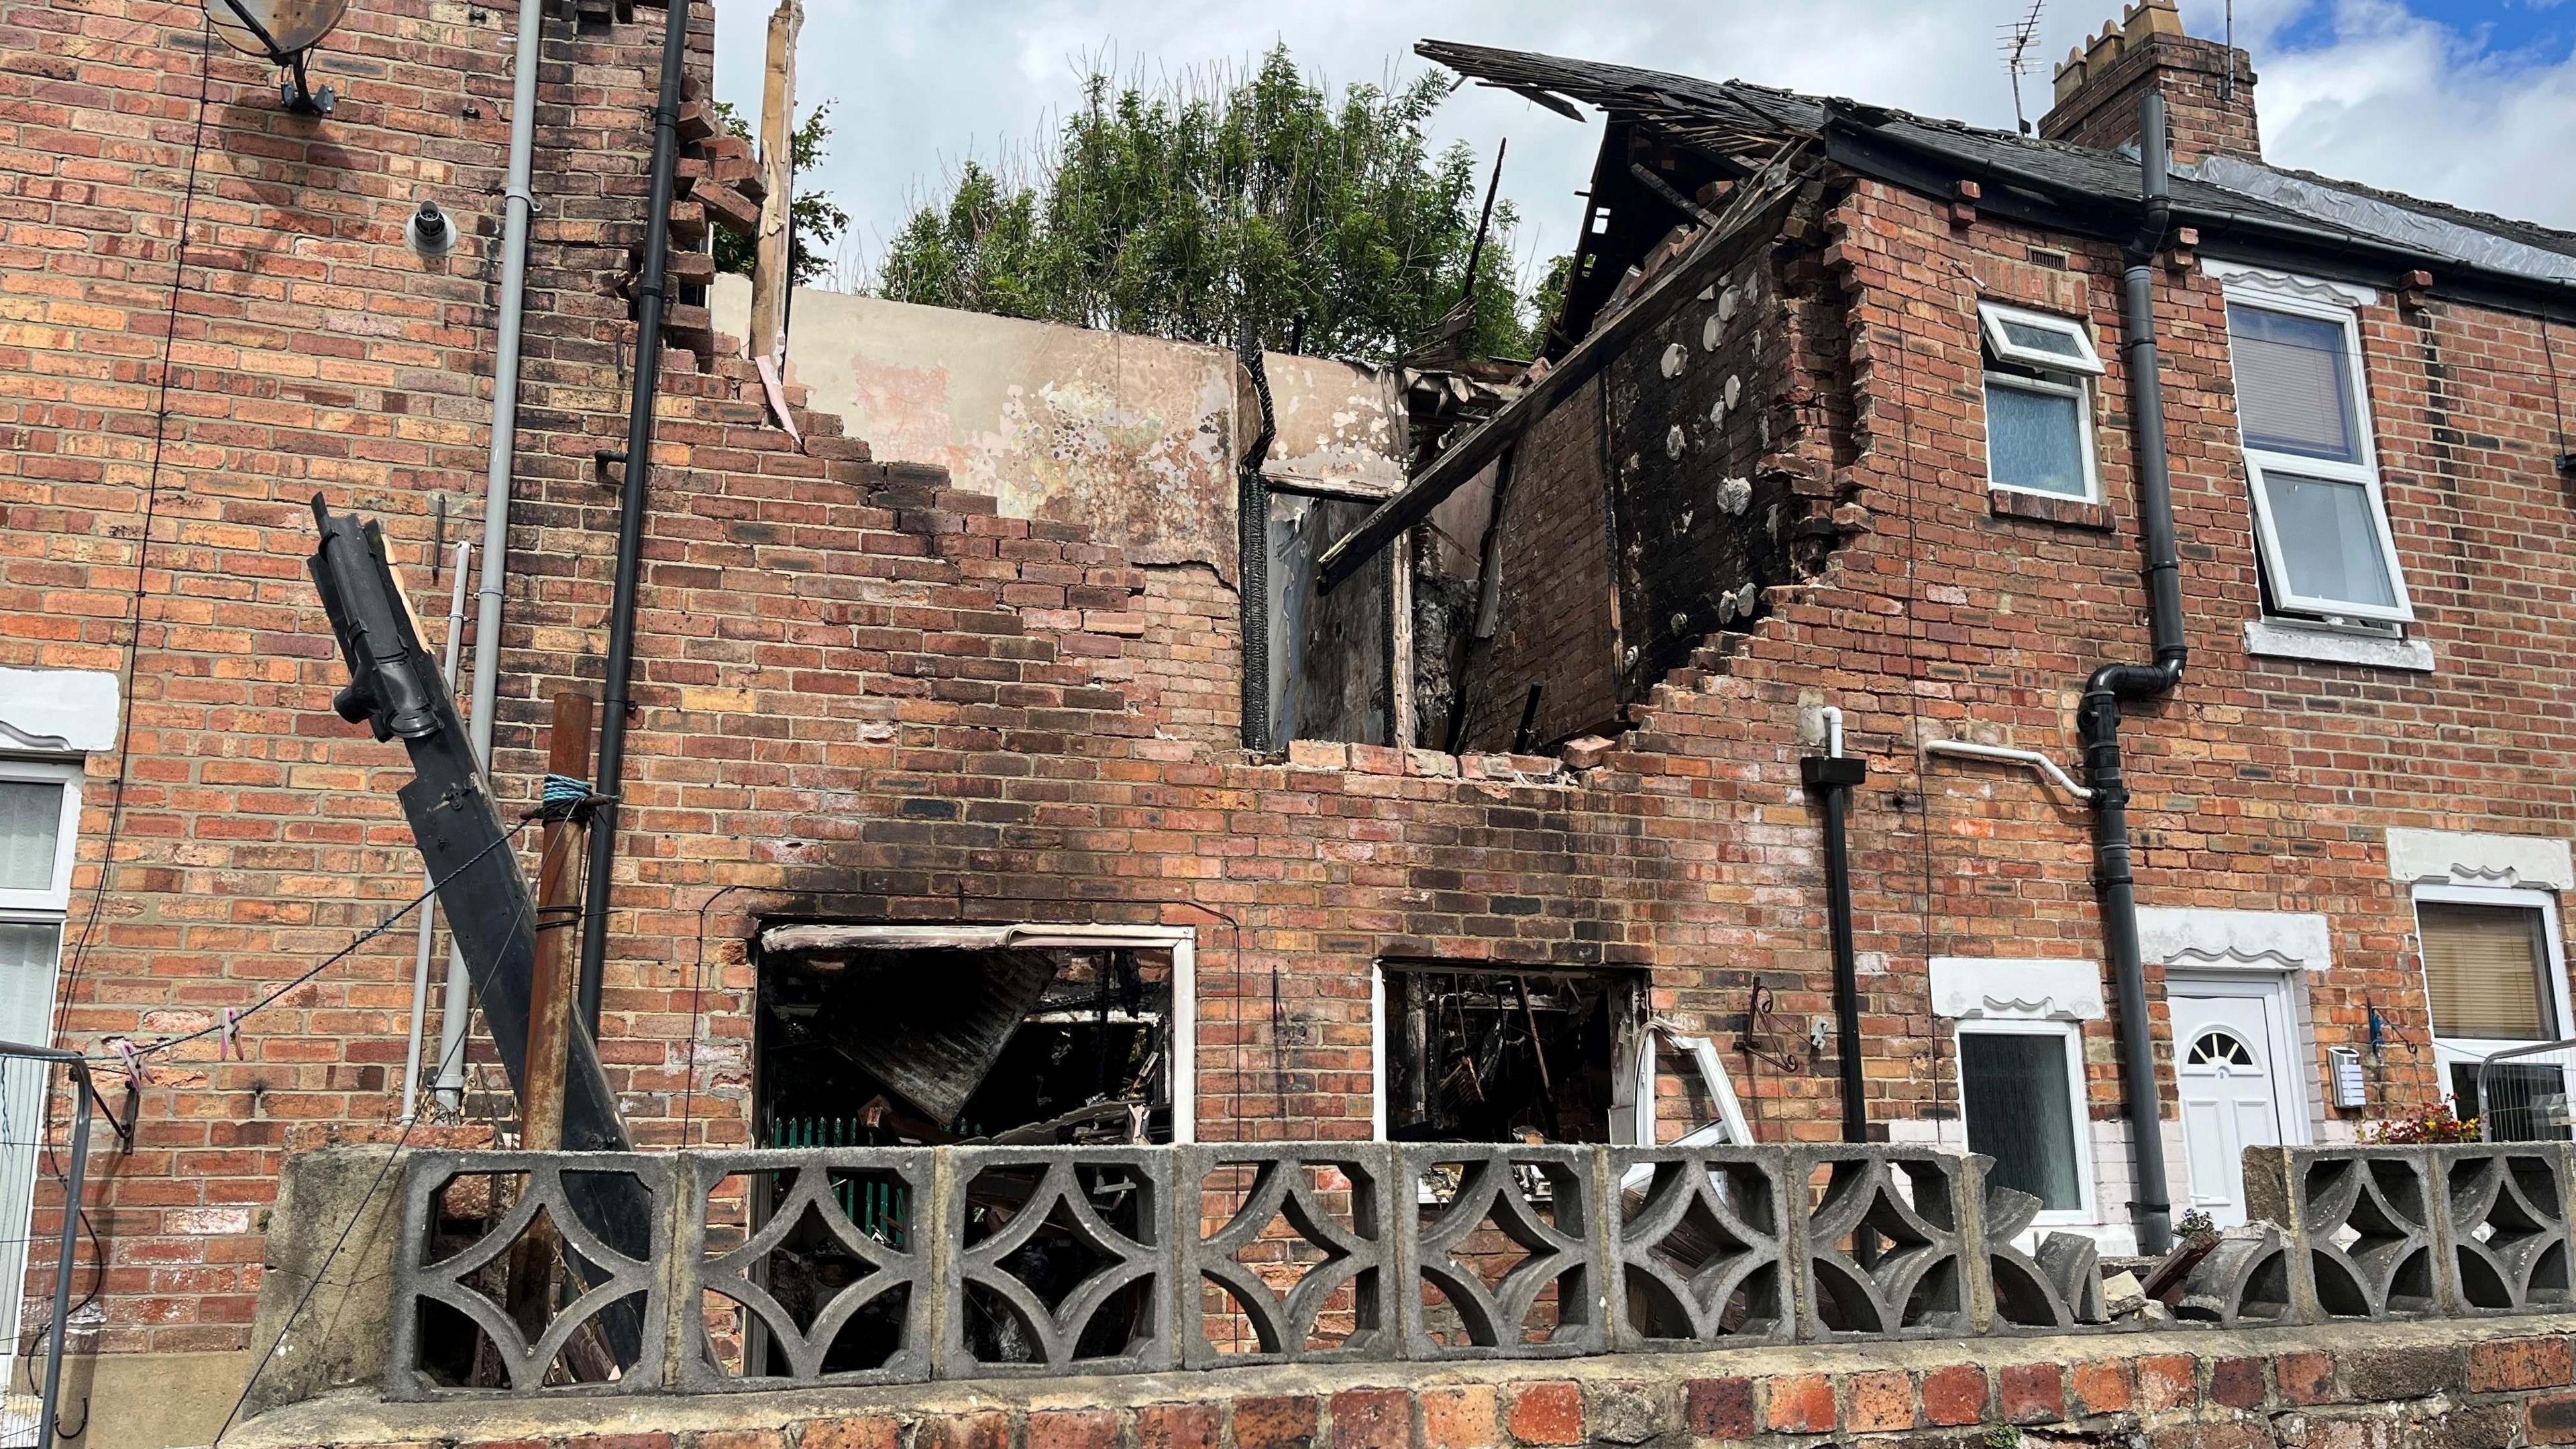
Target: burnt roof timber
point(1751, 224)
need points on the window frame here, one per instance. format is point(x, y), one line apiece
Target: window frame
point(2451, 1051)
point(2079, 390)
point(1991, 317)
point(2261, 463)
point(2004, 363)
point(48, 907)
point(54, 901)
point(2087, 1211)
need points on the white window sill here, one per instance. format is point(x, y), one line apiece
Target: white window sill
point(2289, 641)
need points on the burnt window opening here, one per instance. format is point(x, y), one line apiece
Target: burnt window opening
point(1332, 656)
point(873, 1045)
point(1528, 1055)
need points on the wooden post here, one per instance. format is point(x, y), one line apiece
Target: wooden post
point(550, 1008)
point(769, 266)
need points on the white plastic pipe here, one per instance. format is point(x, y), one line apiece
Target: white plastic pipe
point(518, 205)
point(463, 562)
point(1971, 750)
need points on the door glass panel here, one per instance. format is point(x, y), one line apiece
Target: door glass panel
point(2020, 1113)
point(2483, 966)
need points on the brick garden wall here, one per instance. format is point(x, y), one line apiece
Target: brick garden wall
point(2448, 1386)
point(862, 693)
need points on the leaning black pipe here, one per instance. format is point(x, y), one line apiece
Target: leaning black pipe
point(1833, 776)
point(630, 515)
point(2098, 719)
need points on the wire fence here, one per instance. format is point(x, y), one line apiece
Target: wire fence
point(2518, 1095)
point(44, 1160)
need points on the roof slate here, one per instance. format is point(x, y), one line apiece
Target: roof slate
point(1719, 111)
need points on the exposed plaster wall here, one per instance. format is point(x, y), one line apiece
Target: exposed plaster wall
point(1134, 436)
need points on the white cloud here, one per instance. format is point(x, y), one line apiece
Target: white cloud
point(2387, 97)
point(2401, 101)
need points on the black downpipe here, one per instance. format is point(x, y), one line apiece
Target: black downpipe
point(630, 511)
point(2098, 721)
point(1833, 776)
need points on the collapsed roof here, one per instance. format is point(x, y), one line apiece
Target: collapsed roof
point(2241, 208)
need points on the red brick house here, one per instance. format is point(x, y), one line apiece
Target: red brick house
point(1844, 443)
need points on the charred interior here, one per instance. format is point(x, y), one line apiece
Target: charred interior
point(860, 1044)
point(1530, 1055)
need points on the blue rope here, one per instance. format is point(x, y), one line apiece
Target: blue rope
point(564, 790)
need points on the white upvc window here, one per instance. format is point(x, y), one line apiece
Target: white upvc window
point(2021, 1089)
point(2039, 403)
point(2303, 414)
point(2495, 979)
point(39, 825)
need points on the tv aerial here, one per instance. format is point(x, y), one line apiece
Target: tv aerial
point(2015, 44)
point(281, 32)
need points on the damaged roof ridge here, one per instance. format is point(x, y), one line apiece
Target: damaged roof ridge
point(1662, 95)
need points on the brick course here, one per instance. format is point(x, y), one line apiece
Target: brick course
point(1617, 1401)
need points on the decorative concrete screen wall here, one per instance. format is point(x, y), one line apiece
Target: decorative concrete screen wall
point(1319, 1252)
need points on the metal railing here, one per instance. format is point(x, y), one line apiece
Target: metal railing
point(33, 1081)
point(761, 1273)
point(2521, 1095)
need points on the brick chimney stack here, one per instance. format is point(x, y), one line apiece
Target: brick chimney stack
point(2099, 84)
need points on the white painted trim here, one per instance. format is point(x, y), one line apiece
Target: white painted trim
point(1377, 1051)
point(55, 898)
point(60, 711)
point(1981, 988)
point(1991, 317)
point(2267, 282)
point(2275, 639)
point(1181, 941)
point(2087, 1210)
point(2460, 858)
point(2198, 939)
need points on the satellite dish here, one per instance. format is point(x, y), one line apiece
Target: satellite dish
point(280, 32)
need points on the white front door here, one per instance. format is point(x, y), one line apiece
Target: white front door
point(2235, 1091)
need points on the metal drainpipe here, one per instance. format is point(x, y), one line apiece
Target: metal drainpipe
point(1833, 776)
point(630, 516)
point(2098, 720)
point(518, 206)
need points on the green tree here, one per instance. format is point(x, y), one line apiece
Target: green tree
point(1193, 208)
point(813, 222)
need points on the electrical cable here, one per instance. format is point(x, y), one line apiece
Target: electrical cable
point(335, 958)
point(143, 544)
point(133, 649)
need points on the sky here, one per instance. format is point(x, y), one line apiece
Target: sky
point(2472, 102)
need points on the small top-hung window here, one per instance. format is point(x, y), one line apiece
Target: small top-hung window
point(2039, 402)
point(2321, 525)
